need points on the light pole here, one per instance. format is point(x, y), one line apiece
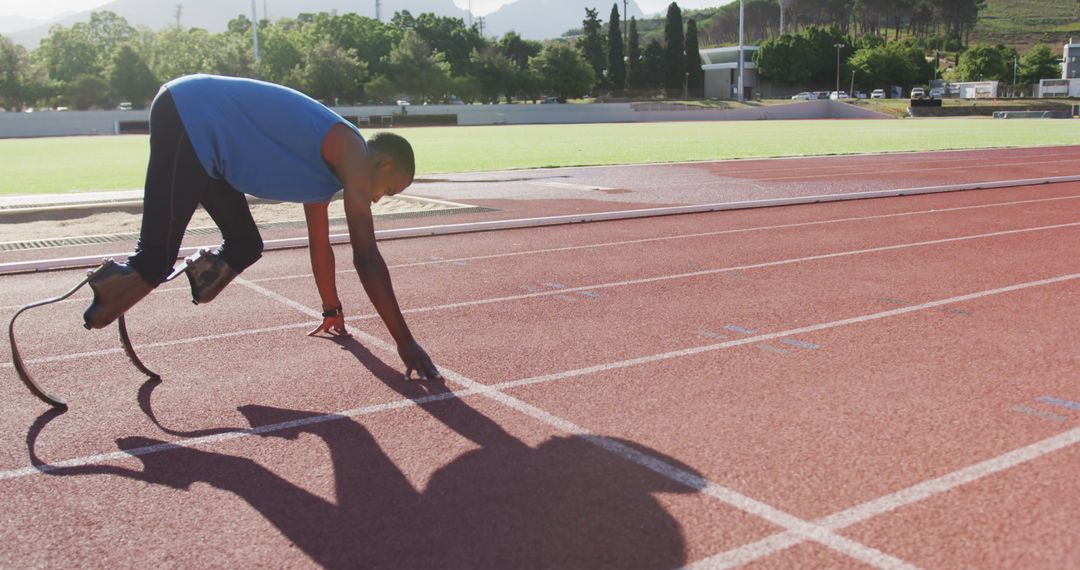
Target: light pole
point(838, 48)
point(741, 64)
point(254, 30)
point(851, 90)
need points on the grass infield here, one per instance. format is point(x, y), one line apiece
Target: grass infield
point(72, 164)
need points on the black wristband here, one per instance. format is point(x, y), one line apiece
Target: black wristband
point(332, 312)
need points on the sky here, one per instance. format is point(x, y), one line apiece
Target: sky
point(45, 9)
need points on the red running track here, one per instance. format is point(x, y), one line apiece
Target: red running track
point(884, 382)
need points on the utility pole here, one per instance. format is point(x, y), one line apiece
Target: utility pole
point(838, 48)
point(784, 4)
point(741, 64)
point(179, 13)
point(625, 37)
point(255, 30)
point(378, 9)
point(470, 13)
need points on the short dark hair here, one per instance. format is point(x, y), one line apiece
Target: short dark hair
point(397, 148)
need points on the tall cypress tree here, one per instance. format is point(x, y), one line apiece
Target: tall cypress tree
point(615, 62)
point(635, 76)
point(695, 82)
point(674, 57)
point(591, 44)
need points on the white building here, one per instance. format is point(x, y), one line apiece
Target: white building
point(1070, 61)
point(721, 66)
point(1059, 88)
point(975, 89)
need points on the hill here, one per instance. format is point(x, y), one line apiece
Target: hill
point(1024, 23)
point(543, 19)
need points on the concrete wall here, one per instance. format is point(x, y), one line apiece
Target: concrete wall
point(71, 123)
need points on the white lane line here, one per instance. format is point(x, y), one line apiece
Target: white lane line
point(907, 170)
point(569, 185)
point(715, 271)
point(741, 555)
point(728, 496)
point(598, 368)
point(170, 288)
point(681, 236)
point(917, 158)
point(888, 503)
point(530, 295)
point(211, 439)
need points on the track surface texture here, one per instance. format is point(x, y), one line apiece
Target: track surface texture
point(886, 383)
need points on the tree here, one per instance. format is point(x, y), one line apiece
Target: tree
point(616, 63)
point(69, 53)
point(695, 78)
point(517, 49)
point(130, 78)
point(1039, 63)
point(652, 64)
point(496, 74)
point(635, 75)
point(417, 71)
point(14, 74)
point(786, 59)
point(280, 51)
point(563, 71)
point(982, 63)
point(87, 92)
point(590, 44)
point(178, 52)
point(445, 35)
point(674, 56)
point(332, 73)
point(108, 31)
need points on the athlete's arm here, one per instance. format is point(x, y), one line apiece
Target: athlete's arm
point(359, 172)
point(323, 268)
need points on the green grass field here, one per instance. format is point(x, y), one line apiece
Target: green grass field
point(73, 164)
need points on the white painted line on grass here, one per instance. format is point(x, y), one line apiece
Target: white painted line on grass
point(556, 292)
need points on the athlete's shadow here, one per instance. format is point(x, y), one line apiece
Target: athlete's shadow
point(563, 503)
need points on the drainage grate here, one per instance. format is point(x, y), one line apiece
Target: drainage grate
point(132, 236)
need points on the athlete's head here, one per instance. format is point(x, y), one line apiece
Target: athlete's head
point(395, 165)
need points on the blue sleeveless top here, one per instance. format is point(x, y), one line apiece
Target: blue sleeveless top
point(263, 139)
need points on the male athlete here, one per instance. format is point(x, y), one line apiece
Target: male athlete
point(214, 139)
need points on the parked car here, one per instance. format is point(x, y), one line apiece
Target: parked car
point(877, 94)
point(124, 106)
point(552, 100)
point(834, 95)
point(804, 96)
point(860, 94)
point(822, 94)
point(918, 93)
point(937, 92)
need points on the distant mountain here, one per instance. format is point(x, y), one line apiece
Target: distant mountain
point(214, 15)
point(10, 24)
point(543, 19)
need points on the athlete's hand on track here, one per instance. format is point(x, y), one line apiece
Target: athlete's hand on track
point(416, 359)
point(334, 326)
